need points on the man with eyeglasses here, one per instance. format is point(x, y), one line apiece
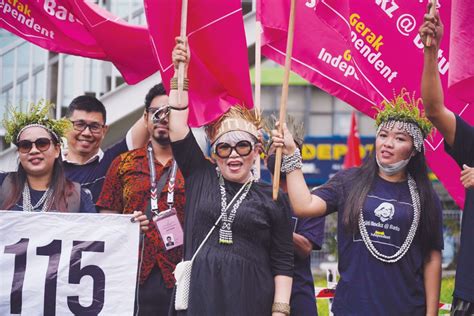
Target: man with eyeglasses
point(84, 160)
point(147, 179)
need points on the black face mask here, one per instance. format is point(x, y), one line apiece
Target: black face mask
point(271, 166)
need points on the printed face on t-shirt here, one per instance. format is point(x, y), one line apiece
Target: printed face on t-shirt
point(392, 146)
point(388, 215)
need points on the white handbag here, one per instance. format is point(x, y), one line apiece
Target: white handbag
point(182, 272)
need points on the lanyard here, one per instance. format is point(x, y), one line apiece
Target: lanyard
point(156, 188)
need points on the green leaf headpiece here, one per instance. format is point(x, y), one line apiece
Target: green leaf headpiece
point(37, 115)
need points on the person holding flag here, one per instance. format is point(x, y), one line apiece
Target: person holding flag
point(459, 144)
point(245, 267)
point(389, 218)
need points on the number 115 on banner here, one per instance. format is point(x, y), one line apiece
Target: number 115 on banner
point(67, 264)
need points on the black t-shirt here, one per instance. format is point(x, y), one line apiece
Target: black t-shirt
point(367, 285)
point(463, 152)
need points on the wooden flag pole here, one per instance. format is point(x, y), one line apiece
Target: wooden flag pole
point(284, 97)
point(432, 12)
point(258, 73)
point(182, 34)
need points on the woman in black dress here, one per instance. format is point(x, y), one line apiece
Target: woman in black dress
point(246, 266)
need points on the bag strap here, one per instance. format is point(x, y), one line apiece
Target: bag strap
point(220, 217)
point(159, 187)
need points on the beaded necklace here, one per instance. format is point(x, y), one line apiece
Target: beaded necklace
point(46, 200)
point(225, 232)
point(411, 233)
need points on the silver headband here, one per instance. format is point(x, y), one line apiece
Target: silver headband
point(408, 127)
point(37, 125)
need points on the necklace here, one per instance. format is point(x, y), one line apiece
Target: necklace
point(46, 200)
point(411, 233)
point(225, 232)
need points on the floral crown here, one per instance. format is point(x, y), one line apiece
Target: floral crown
point(37, 115)
point(404, 110)
point(237, 118)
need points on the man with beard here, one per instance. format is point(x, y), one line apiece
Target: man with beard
point(156, 188)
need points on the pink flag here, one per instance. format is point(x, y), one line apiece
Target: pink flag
point(219, 71)
point(83, 29)
point(461, 74)
point(362, 52)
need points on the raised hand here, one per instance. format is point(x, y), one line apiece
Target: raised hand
point(431, 27)
point(285, 141)
point(181, 53)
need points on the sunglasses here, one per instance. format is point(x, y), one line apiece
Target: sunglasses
point(81, 126)
point(42, 144)
point(160, 114)
point(243, 148)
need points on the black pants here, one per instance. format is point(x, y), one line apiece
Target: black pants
point(154, 298)
point(461, 307)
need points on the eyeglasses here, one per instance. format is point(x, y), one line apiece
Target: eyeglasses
point(42, 144)
point(243, 148)
point(81, 125)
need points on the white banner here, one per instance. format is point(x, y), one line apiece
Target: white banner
point(67, 264)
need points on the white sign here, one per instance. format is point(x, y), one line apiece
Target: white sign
point(67, 264)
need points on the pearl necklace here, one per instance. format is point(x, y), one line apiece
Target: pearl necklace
point(225, 232)
point(411, 233)
point(45, 200)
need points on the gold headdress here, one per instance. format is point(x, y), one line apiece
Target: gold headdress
point(38, 115)
point(237, 118)
point(403, 110)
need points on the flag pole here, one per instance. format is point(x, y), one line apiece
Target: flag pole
point(284, 96)
point(432, 12)
point(182, 34)
point(258, 64)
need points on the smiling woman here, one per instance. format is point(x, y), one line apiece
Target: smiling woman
point(246, 264)
point(39, 185)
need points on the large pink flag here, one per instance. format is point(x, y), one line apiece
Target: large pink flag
point(362, 52)
point(461, 73)
point(83, 29)
point(219, 71)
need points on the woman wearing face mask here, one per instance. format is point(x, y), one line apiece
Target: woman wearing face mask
point(389, 218)
point(40, 185)
point(245, 266)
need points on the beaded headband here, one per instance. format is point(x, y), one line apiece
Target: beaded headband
point(403, 112)
point(237, 118)
point(36, 116)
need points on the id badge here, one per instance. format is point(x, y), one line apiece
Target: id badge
point(169, 227)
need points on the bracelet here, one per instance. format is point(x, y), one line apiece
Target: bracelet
point(292, 162)
point(283, 308)
point(178, 109)
point(174, 84)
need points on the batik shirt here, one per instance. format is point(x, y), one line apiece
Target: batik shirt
point(126, 189)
